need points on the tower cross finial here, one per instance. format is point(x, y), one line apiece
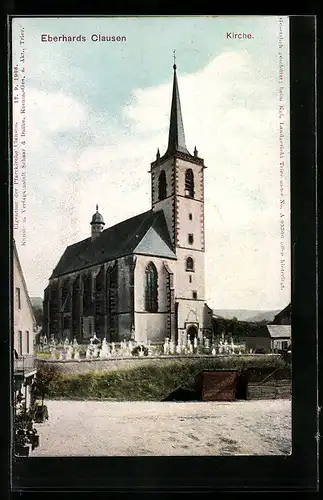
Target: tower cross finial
point(97, 207)
point(174, 57)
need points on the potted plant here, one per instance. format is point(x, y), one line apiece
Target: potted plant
point(21, 445)
point(24, 433)
point(40, 412)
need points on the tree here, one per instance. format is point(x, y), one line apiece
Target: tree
point(38, 312)
point(46, 372)
point(234, 326)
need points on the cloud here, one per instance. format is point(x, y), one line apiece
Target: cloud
point(51, 112)
point(78, 158)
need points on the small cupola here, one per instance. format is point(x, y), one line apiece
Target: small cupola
point(97, 224)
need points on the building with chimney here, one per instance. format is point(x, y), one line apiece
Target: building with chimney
point(144, 278)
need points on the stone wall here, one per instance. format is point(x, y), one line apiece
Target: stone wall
point(279, 389)
point(99, 365)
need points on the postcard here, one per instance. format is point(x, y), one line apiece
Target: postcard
point(151, 236)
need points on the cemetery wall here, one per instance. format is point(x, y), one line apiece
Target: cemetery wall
point(101, 365)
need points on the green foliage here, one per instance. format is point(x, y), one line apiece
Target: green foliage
point(38, 313)
point(46, 373)
point(151, 382)
point(234, 327)
point(24, 431)
point(46, 355)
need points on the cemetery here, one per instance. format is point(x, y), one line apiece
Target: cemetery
point(129, 371)
point(96, 349)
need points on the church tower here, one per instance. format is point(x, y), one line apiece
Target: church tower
point(177, 187)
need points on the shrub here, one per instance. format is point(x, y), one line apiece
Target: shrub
point(43, 355)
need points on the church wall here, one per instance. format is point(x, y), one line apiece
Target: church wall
point(125, 297)
point(124, 326)
point(151, 326)
point(52, 295)
point(185, 226)
point(124, 302)
point(183, 288)
point(185, 206)
point(140, 281)
point(124, 284)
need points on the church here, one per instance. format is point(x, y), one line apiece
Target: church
point(144, 278)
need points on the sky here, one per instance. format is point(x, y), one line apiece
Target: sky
point(96, 112)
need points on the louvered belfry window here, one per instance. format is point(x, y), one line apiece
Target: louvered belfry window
point(151, 304)
point(189, 183)
point(162, 186)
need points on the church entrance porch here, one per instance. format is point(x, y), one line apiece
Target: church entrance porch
point(192, 332)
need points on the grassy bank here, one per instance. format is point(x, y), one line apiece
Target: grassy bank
point(152, 383)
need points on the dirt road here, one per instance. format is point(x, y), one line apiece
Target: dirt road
point(101, 428)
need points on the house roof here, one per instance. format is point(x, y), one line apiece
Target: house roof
point(279, 331)
point(114, 242)
point(15, 254)
point(273, 331)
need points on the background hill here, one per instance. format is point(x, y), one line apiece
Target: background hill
point(37, 305)
point(246, 314)
point(36, 302)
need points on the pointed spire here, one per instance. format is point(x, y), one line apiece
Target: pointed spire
point(176, 138)
point(158, 154)
point(195, 152)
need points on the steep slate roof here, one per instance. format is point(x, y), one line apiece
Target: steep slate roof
point(176, 138)
point(285, 313)
point(114, 242)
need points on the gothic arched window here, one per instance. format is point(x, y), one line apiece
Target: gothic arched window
point(151, 304)
point(189, 183)
point(189, 264)
point(162, 185)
